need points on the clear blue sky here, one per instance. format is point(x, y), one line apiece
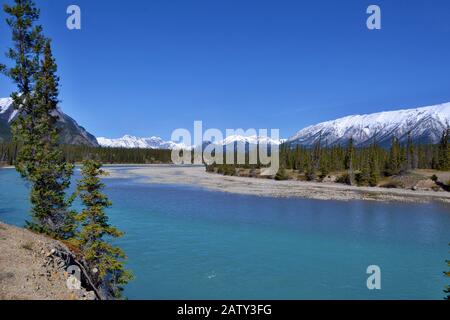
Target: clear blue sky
point(146, 67)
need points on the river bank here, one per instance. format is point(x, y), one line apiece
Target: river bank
point(31, 268)
point(197, 176)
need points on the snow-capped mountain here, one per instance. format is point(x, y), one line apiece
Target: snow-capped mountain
point(128, 141)
point(7, 113)
point(252, 140)
point(424, 124)
point(71, 132)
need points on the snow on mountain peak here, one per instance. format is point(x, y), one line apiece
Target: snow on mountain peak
point(5, 103)
point(425, 124)
point(129, 141)
point(6, 109)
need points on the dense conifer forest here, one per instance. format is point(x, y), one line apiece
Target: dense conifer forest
point(76, 154)
point(361, 166)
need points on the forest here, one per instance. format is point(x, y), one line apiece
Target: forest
point(360, 166)
point(76, 154)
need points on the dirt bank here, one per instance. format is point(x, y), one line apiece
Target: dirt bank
point(31, 268)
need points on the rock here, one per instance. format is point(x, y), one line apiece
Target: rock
point(73, 283)
point(52, 252)
point(39, 274)
point(89, 295)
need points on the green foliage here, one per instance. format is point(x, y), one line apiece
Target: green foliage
point(281, 174)
point(39, 160)
point(226, 170)
point(364, 165)
point(324, 166)
point(394, 164)
point(374, 169)
point(411, 158)
point(349, 155)
point(99, 254)
point(344, 178)
point(77, 154)
point(443, 156)
point(394, 184)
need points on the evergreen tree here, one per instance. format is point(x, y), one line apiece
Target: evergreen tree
point(443, 161)
point(394, 162)
point(51, 176)
point(374, 172)
point(349, 155)
point(349, 158)
point(324, 166)
point(310, 171)
point(27, 47)
point(105, 261)
point(410, 154)
point(39, 160)
point(362, 177)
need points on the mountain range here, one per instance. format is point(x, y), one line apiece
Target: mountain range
point(129, 141)
point(71, 132)
point(423, 125)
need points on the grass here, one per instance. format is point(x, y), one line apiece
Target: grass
point(27, 246)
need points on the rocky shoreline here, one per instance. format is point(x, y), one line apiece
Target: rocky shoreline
point(36, 267)
point(197, 176)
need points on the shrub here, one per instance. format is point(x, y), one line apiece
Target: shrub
point(392, 185)
point(281, 174)
point(361, 179)
point(345, 179)
point(27, 246)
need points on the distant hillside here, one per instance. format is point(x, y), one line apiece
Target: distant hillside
point(71, 132)
point(425, 125)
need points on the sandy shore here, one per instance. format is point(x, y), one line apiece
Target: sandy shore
point(197, 176)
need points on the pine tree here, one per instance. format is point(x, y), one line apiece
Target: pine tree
point(39, 160)
point(51, 176)
point(410, 154)
point(324, 166)
point(395, 158)
point(105, 261)
point(443, 161)
point(28, 43)
point(349, 158)
point(362, 177)
point(374, 172)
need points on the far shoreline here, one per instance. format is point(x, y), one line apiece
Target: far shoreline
point(197, 176)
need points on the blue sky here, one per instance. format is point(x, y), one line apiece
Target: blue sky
point(147, 67)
